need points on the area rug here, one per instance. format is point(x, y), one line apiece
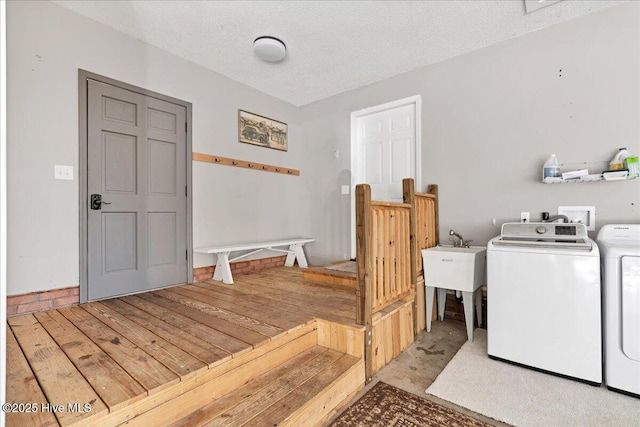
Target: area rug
point(387, 406)
point(523, 397)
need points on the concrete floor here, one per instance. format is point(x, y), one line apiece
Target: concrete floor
point(418, 366)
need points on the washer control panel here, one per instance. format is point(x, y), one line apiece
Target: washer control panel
point(545, 230)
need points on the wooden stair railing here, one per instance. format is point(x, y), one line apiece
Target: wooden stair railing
point(389, 240)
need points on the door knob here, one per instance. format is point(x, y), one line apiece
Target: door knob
point(97, 202)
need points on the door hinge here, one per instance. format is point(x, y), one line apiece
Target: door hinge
point(186, 255)
point(185, 126)
point(186, 191)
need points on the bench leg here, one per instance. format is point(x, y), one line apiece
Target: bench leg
point(223, 269)
point(295, 251)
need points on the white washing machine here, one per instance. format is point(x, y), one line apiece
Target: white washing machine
point(543, 299)
point(620, 249)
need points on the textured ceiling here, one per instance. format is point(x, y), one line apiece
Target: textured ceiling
point(332, 46)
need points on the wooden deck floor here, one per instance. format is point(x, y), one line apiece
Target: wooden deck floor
point(106, 356)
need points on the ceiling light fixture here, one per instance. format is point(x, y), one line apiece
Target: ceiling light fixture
point(269, 49)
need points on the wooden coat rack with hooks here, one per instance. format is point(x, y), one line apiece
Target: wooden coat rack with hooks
point(219, 160)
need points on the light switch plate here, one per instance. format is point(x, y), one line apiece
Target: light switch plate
point(581, 214)
point(344, 189)
point(63, 172)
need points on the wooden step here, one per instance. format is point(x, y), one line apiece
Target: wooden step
point(300, 382)
point(341, 273)
point(284, 393)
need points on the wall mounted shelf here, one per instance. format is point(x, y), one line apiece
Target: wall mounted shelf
point(219, 160)
point(588, 178)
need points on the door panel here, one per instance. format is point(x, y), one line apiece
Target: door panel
point(373, 163)
point(400, 160)
point(119, 243)
point(136, 158)
point(387, 149)
point(120, 166)
point(162, 168)
point(162, 238)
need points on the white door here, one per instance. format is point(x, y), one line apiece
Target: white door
point(385, 149)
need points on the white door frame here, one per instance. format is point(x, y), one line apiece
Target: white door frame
point(416, 101)
point(83, 76)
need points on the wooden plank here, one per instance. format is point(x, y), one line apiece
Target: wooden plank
point(409, 197)
point(433, 189)
point(345, 339)
point(277, 282)
point(22, 388)
point(283, 301)
point(328, 388)
point(236, 396)
point(59, 379)
point(309, 299)
point(216, 384)
point(177, 360)
point(319, 410)
point(196, 347)
point(280, 319)
point(330, 277)
point(390, 282)
point(171, 313)
point(150, 373)
point(377, 253)
point(251, 318)
point(392, 205)
point(113, 384)
point(253, 405)
point(365, 279)
point(200, 313)
point(219, 160)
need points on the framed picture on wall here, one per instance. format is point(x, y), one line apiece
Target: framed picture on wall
point(263, 131)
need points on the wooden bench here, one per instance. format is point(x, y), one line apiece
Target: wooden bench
point(223, 268)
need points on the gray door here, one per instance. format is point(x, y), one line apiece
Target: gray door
point(136, 161)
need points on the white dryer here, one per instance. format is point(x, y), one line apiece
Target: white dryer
point(620, 253)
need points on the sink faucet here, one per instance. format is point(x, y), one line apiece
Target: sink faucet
point(460, 242)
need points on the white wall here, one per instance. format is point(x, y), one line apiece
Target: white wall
point(46, 46)
point(490, 119)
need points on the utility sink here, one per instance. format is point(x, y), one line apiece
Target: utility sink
point(459, 269)
point(456, 268)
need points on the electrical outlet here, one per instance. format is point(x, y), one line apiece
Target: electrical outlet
point(524, 216)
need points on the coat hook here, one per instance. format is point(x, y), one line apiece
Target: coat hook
point(277, 169)
point(288, 171)
point(234, 163)
point(264, 168)
point(217, 160)
point(250, 165)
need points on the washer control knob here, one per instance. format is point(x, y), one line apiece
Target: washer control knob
point(541, 229)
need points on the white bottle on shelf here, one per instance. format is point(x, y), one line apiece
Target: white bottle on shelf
point(551, 168)
point(617, 162)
